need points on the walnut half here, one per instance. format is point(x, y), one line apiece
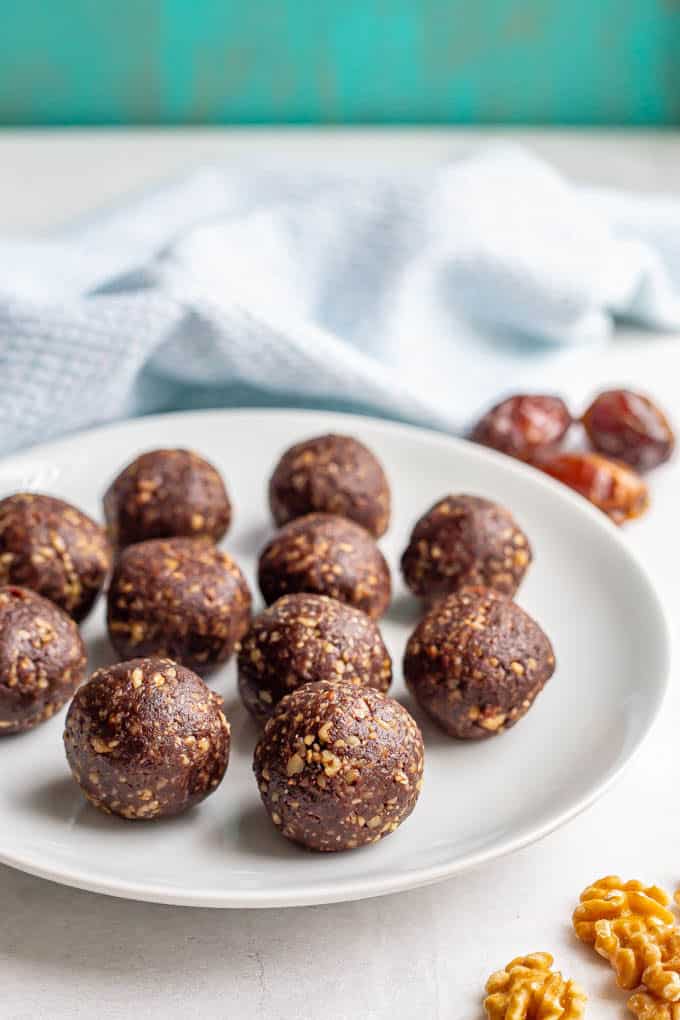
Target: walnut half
point(648, 1006)
point(637, 952)
point(528, 989)
point(610, 898)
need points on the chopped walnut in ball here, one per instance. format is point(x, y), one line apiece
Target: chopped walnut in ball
point(529, 989)
point(610, 898)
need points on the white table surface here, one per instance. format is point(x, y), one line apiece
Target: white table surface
point(423, 954)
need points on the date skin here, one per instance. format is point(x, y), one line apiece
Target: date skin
point(611, 486)
point(524, 426)
point(629, 427)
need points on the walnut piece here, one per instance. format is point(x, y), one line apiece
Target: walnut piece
point(648, 1006)
point(528, 989)
point(660, 953)
point(622, 942)
point(642, 956)
point(611, 898)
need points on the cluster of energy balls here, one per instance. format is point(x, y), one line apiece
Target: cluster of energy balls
point(339, 762)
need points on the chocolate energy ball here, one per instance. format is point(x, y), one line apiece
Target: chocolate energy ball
point(326, 555)
point(305, 638)
point(165, 493)
point(42, 659)
point(465, 540)
point(49, 546)
point(476, 662)
point(146, 739)
point(339, 766)
point(178, 597)
point(333, 475)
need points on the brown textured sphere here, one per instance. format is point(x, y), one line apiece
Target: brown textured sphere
point(339, 766)
point(326, 555)
point(178, 597)
point(42, 659)
point(476, 662)
point(146, 739)
point(165, 493)
point(53, 548)
point(305, 638)
point(465, 540)
point(333, 475)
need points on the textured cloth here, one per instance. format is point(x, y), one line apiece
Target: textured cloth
point(421, 297)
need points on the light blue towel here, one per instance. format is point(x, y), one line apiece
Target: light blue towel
point(422, 298)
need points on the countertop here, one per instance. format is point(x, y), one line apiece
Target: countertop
point(423, 954)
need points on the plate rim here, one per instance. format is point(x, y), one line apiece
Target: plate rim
point(357, 889)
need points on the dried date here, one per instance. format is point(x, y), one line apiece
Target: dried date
point(524, 425)
point(629, 427)
point(612, 487)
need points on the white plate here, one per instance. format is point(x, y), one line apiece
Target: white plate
point(479, 800)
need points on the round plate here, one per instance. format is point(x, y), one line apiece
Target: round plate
point(479, 800)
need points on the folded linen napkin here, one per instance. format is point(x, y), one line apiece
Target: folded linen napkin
point(420, 297)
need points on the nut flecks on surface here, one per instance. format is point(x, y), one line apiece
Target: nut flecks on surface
point(143, 750)
point(529, 989)
point(326, 555)
point(53, 548)
point(339, 766)
point(179, 597)
point(476, 662)
point(465, 540)
point(331, 474)
point(167, 493)
point(42, 659)
point(302, 638)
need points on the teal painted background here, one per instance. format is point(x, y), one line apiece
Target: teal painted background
point(339, 61)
